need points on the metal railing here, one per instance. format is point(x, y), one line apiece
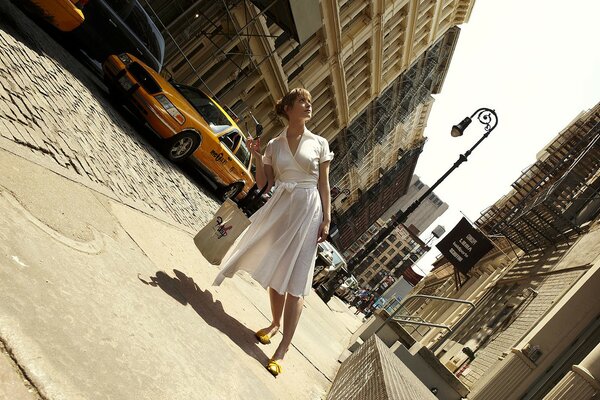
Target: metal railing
point(416, 320)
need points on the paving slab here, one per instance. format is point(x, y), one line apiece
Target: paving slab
point(100, 300)
point(102, 292)
point(13, 384)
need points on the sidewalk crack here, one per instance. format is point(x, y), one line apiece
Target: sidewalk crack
point(21, 372)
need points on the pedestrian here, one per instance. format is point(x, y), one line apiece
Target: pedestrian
point(359, 294)
point(278, 249)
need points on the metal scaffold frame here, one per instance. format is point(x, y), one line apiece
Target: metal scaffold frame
point(393, 107)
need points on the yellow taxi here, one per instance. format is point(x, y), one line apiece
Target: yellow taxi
point(192, 125)
point(65, 15)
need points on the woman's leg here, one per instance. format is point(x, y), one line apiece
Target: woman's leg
point(291, 316)
point(277, 302)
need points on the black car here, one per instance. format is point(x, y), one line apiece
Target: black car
point(120, 26)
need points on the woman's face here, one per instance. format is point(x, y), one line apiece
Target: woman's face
point(300, 110)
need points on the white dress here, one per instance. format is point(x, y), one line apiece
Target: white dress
point(279, 247)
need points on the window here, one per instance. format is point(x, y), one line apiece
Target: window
point(396, 260)
point(243, 154)
point(217, 120)
point(231, 140)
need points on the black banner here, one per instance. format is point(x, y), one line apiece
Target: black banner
point(464, 245)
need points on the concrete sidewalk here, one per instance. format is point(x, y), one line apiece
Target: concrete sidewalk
point(101, 301)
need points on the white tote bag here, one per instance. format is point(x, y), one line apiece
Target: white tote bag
point(215, 239)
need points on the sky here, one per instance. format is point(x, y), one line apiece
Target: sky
point(537, 64)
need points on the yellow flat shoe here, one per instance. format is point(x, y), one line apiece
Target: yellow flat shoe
point(263, 336)
point(274, 368)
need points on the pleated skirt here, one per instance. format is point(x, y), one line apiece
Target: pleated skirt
point(279, 248)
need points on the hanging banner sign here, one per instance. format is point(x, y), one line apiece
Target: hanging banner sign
point(464, 246)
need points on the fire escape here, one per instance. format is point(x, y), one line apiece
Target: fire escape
point(556, 195)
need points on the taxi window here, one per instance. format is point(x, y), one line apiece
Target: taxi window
point(205, 107)
point(243, 154)
point(231, 140)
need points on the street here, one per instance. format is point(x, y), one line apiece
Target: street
point(103, 294)
point(57, 109)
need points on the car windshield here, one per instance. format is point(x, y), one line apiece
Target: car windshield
point(139, 21)
point(205, 107)
point(336, 258)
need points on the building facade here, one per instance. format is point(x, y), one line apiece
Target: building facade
point(378, 152)
point(535, 329)
point(232, 49)
point(371, 67)
point(430, 209)
point(392, 257)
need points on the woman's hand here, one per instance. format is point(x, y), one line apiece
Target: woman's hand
point(254, 146)
point(323, 231)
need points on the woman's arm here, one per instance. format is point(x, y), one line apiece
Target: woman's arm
point(269, 178)
point(324, 192)
point(264, 172)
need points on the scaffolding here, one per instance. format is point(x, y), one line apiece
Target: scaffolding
point(377, 124)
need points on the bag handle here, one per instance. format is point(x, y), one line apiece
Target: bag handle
point(262, 191)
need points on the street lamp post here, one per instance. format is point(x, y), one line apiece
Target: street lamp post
point(485, 116)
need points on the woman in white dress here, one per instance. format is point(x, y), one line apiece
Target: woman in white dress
point(279, 248)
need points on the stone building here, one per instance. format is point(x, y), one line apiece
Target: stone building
point(378, 152)
point(401, 249)
point(428, 211)
point(354, 50)
point(535, 329)
point(371, 67)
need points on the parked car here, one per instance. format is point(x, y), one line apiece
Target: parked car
point(329, 261)
point(324, 254)
point(191, 124)
point(346, 289)
point(119, 26)
point(104, 27)
point(64, 15)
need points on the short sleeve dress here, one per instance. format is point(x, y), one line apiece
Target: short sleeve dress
point(279, 247)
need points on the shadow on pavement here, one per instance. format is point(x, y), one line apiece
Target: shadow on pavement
point(183, 289)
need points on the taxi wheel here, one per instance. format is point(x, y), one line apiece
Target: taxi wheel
point(182, 145)
point(231, 191)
